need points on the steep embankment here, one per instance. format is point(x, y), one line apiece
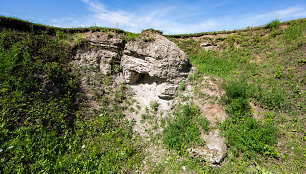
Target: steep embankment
point(107, 101)
point(264, 70)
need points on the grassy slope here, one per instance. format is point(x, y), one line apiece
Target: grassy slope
point(267, 68)
point(44, 122)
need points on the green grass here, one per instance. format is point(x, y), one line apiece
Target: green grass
point(44, 127)
point(270, 63)
point(273, 24)
point(183, 131)
point(47, 126)
point(244, 133)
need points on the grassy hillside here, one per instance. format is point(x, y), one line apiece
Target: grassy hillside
point(264, 79)
point(47, 125)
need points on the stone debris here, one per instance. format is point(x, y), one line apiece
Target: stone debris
point(213, 151)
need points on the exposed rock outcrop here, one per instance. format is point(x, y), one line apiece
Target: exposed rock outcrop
point(149, 55)
point(102, 50)
point(155, 55)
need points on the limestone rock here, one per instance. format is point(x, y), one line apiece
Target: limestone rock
point(130, 76)
point(206, 45)
point(155, 55)
point(214, 150)
point(168, 92)
point(95, 59)
point(106, 40)
point(103, 48)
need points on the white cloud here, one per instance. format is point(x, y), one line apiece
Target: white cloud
point(171, 19)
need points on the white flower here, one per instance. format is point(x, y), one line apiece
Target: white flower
point(83, 146)
point(184, 167)
point(1, 150)
point(10, 147)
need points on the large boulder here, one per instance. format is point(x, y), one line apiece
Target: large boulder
point(155, 55)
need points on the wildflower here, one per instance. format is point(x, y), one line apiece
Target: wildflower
point(83, 146)
point(10, 147)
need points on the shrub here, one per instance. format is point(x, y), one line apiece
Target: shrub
point(243, 132)
point(154, 105)
point(204, 123)
point(294, 32)
point(250, 137)
point(236, 89)
point(183, 130)
point(43, 126)
point(130, 36)
point(182, 86)
point(273, 24)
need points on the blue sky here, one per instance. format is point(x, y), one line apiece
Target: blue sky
point(170, 16)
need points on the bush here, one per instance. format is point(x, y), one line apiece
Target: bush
point(251, 137)
point(183, 130)
point(273, 24)
point(43, 129)
point(182, 86)
point(154, 105)
point(236, 89)
point(243, 132)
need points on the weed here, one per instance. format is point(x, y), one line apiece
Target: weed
point(273, 24)
point(183, 131)
point(204, 123)
point(244, 133)
point(154, 105)
point(182, 86)
point(130, 36)
point(43, 126)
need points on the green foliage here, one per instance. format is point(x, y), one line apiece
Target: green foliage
point(204, 123)
point(271, 97)
point(273, 24)
point(130, 36)
point(38, 95)
point(183, 131)
point(279, 72)
point(43, 129)
point(294, 32)
point(182, 86)
point(154, 105)
point(153, 30)
point(243, 132)
point(249, 136)
point(189, 46)
point(236, 89)
point(209, 63)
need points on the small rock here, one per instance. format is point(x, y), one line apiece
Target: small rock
point(169, 92)
point(214, 150)
point(205, 44)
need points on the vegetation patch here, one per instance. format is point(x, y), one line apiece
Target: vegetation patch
point(45, 126)
point(183, 131)
point(244, 133)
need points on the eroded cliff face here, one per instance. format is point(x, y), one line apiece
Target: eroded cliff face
point(149, 56)
point(152, 67)
point(101, 51)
